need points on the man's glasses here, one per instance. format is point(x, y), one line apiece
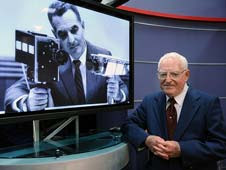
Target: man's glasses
point(63, 34)
point(172, 75)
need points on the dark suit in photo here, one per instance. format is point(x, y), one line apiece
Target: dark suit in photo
point(64, 91)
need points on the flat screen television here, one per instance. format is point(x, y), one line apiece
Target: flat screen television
point(39, 45)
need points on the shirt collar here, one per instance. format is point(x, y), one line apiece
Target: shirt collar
point(180, 98)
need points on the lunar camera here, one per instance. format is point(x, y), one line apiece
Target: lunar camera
point(41, 54)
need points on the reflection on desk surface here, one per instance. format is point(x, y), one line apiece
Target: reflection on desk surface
point(63, 147)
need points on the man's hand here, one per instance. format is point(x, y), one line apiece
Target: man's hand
point(162, 148)
point(156, 145)
point(113, 89)
point(37, 99)
point(172, 149)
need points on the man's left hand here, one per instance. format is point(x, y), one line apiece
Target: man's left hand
point(113, 89)
point(172, 149)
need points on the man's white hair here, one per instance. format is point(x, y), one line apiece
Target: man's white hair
point(174, 55)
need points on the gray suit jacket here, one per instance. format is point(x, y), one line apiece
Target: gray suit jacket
point(64, 91)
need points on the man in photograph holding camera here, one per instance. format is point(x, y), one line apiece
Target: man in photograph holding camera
point(77, 84)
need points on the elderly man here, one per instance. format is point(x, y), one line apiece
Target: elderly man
point(183, 128)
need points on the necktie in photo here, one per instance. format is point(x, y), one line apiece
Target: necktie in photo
point(171, 115)
point(78, 82)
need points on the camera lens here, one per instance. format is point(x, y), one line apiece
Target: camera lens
point(61, 57)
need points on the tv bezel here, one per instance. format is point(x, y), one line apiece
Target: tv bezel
point(69, 112)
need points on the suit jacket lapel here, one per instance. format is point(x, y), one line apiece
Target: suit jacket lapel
point(161, 114)
point(189, 108)
point(91, 85)
point(68, 81)
point(90, 77)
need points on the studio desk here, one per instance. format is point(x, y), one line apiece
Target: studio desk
point(102, 151)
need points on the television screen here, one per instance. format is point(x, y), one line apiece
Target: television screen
point(63, 56)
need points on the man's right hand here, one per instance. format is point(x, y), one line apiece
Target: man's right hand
point(37, 99)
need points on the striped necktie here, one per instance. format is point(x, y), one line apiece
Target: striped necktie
point(78, 82)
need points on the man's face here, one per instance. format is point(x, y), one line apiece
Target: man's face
point(70, 31)
point(172, 77)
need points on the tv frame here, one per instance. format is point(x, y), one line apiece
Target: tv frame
point(69, 112)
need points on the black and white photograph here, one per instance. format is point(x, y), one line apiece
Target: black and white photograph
point(57, 55)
